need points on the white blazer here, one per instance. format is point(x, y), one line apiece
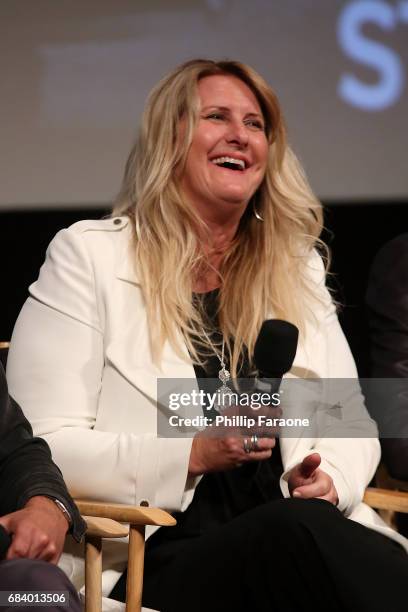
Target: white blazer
point(80, 365)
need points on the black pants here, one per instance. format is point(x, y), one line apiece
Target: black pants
point(289, 555)
point(32, 575)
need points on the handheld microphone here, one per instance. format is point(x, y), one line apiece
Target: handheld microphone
point(5, 541)
point(274, 353)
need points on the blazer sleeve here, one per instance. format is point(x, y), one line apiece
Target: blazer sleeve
point(55, 368)
point(347, 440)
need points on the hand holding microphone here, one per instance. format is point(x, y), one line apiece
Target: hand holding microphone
point(274, 353)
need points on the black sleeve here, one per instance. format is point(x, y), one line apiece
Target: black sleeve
point(26, 466)
point(387, 301)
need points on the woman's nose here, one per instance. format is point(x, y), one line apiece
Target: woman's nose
point(237, 133)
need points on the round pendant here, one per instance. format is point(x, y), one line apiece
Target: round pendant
point(224, 375)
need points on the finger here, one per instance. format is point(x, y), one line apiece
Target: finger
point(265, 443)
point(39, 542)
point(297, 481)
point(263, 450)
point(332, 495)
point(49, 553)
point(309, 465)
point(261, 444)
point(28, 541)
point(316, 489)
point(296, 478)
point(18, 549)
point(258, 455)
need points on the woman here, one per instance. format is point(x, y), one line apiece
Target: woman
point(215, 232)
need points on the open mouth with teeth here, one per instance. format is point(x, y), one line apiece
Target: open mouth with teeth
point(231, 163)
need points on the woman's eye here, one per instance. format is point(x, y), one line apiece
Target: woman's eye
point(215, 116)
point(252, 123)
point(256, 124)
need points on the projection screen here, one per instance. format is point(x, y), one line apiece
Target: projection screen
point(75, 76)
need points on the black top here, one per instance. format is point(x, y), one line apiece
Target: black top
point(221, 496)
point(26, 467)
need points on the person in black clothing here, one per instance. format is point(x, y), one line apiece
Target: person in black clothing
point(36, 510)
point(387, 301)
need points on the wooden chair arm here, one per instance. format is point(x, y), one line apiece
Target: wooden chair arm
point(104, 528)
point(96, 529)
point(385, 499)
point(135, 515)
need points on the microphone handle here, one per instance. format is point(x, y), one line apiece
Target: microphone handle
point(268, 383)
point(265, 383)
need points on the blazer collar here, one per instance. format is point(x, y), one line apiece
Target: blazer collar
point(126, 264)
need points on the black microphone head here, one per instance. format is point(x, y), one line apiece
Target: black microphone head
point(275, 348)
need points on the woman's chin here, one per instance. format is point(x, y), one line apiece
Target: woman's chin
point(235, 197)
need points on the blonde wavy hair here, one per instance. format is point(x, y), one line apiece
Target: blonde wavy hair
point(264, 269)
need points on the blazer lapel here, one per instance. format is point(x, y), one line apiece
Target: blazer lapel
point(130, 351)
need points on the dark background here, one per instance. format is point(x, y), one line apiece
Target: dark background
point(354, 232)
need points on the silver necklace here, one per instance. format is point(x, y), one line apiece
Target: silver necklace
point(224, 375)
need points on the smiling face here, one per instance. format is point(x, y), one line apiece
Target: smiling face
point(227, 158)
